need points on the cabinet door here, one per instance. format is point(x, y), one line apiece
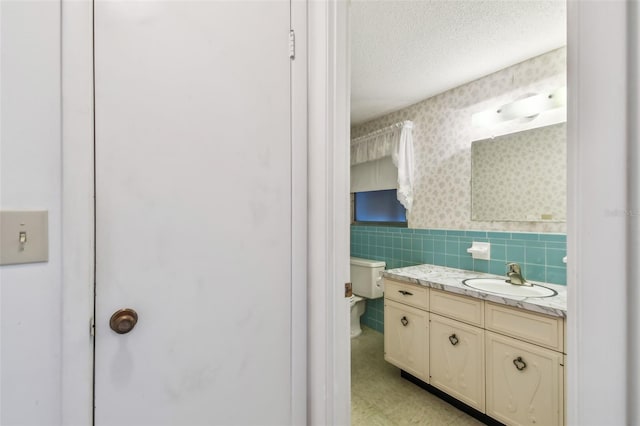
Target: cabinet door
point(524, 382)
point(457, 360)
point(406, 336)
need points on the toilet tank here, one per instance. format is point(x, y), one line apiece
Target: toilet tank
point(364, 277)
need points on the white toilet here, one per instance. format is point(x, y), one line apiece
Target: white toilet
point(365, 278)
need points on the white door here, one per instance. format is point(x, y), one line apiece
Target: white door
point(194, 212)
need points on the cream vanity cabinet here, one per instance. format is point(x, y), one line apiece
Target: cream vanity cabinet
point(456, 347)
point(525, 366)
point(505, 362)
point(406, 325)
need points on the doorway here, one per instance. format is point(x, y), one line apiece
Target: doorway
point(443, 118)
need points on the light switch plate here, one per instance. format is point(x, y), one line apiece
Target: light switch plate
point(24, 237)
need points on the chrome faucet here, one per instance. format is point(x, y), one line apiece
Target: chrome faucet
point(515, 275)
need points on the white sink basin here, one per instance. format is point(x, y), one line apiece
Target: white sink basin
point(500, 286)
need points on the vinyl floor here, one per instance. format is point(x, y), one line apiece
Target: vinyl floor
point(380, 397)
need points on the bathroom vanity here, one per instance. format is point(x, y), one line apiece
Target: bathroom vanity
point(502, 356)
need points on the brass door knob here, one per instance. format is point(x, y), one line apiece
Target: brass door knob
point(123, 321)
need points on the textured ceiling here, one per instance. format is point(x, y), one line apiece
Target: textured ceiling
point(405, 51)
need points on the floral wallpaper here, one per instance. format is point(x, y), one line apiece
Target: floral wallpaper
point(521, 176)
point(442, 136)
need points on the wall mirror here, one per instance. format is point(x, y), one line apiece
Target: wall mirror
point(520, 176)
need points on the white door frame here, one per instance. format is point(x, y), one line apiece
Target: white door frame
point(633, 112)
point(328, 311)
point(77, 212)
point(599, 333)
point(599, 216)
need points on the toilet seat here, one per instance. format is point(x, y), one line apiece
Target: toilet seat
point(357, 308)
point(354, 299)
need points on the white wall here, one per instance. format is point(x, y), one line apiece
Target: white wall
point(30, 178)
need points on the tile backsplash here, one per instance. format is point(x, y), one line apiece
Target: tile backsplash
point(540, 255)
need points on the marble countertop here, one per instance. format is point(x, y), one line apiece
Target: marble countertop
point(450, 279)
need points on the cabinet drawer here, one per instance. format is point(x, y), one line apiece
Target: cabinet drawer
point(540, 329)
point(410, 294)
point(462, 308)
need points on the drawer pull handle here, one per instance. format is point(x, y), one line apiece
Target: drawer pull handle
point(405, 293)
point(454, 339)
point(519, 363)
point(404, 321)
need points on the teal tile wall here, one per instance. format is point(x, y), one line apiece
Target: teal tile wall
point(540, 255)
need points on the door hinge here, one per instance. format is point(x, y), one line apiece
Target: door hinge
point(92, 327)
point(348, 290)
point(292, 44)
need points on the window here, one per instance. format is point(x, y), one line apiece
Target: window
point(379, 207)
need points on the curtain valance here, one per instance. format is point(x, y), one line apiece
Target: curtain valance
point(395, 141)
point(379, 144)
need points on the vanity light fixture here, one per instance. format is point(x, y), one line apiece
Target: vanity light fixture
point(526, 108)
